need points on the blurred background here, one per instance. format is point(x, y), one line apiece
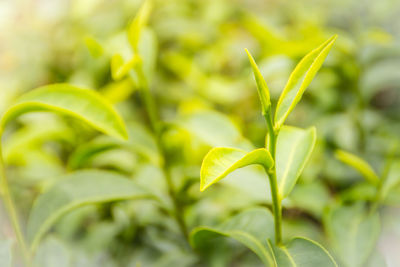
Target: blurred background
point(202, 82)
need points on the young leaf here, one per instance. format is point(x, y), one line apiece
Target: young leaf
point(95, 48)
point(220, 161)
point(66, 99)
point(138, 23)
point(5, 253)
point(353, 232)
point(299, 80)
point(263, 91)
point(75, 190)
point(293, 149)
point(359, 164)
point(252, 228)
point(119, 69)
point(302, 252)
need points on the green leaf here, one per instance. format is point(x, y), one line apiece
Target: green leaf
point(220, 161)
point(392, 180)
point(252, 228)
point(95, 48)
point(5, 253)
point(299, 80)
point(353, 232)
point(263, 91)
point(66, 99)
point(119, 68)
point(359, 164)
point(293, 149)
point(138, 23)
point(302, 252)
point(75, 190)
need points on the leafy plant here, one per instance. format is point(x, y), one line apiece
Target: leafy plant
point(354, 229)
point(287, 151)
point(84, 105)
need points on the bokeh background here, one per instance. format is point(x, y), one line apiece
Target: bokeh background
point(202, 82)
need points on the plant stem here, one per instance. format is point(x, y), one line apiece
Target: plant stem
point(276, 201)
point(152, 113)
point(12, 212)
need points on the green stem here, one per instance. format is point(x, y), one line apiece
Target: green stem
point(12, 212)
point(276, 201)
point(152, 112)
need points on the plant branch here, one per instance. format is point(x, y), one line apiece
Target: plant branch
point(276, 201)
point(155, 121)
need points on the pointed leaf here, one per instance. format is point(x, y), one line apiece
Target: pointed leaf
point(138, 23)
point(302, 252)
point(353, 232)
point(75, 190)
point(359, 164)
point(66, 99)
point(263, 91)
point(220, 161)
point(95, 48)
point(252, 228)
point(299, 80)
point(293, 149)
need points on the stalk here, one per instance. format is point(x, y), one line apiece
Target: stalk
point(155, 123)
point(12, 211)
point(276, 201)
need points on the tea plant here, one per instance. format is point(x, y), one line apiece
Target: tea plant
point(284, 157)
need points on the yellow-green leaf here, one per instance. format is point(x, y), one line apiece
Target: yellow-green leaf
point(299, 80)
point(95, 48)
point(263, 91)
point(359, 164)
point(66, 99)
point(75, 190)
point(293, 149)
point(221, 161)
point(138, 23)
point(119, 68)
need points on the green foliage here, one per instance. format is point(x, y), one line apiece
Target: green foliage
point(69, 100)
point(353, 233)
point(302, 252)
point(252, 228)
point(74, 190)
point(176, 72)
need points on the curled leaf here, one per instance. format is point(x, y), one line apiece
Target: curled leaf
point(221, 161)
point(66, 99)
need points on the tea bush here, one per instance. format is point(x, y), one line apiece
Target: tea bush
point(143, 143)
